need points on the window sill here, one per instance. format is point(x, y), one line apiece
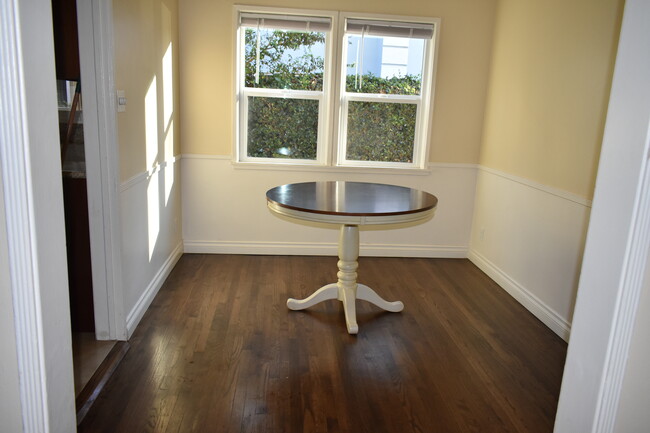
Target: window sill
point(238, 165)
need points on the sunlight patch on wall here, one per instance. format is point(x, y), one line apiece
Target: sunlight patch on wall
point(169, 161)
point(151, 124)
point(153, 212)
point(168, 119)
point(151, 137)
point(168, 85)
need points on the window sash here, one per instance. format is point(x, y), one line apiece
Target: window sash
point(372, 27)
point(381, 97)
point(342, 159)
point(281, 94)
point(287, 21)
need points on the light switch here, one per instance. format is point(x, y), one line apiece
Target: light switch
point(121, 101)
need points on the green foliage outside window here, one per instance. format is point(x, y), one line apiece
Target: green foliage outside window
point(379, 131)
point(286, 60)
point(369, 83)
point(288, 127)
point(282, 128)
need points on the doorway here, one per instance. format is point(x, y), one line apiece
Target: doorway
point(88, 352)
point(88, 201)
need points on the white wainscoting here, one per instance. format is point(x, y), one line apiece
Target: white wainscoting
point(151, 235)
point(224, 211)
point(529, 238)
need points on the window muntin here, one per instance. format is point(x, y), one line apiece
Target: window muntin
point(297, 122)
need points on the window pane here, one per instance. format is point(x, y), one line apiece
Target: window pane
point(282, 127)
point(66, 91)
point(379, 131)
point(287, 59)
point(389, 65)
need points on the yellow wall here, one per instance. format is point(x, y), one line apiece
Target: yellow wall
point(206, 68)
point(550, 80)
point(146, 50)
point(547, 88)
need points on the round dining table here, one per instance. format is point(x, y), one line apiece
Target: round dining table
point(350, 205)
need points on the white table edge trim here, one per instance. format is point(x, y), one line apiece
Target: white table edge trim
point(350, 219)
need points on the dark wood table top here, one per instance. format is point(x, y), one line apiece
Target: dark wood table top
point(351, 198)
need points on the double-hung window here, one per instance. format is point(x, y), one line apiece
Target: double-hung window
point(382, 114)
point(325, 88)
point(283, 82)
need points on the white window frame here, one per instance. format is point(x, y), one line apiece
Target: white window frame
point(423, 101)
point(243, 92)
point(333, 99)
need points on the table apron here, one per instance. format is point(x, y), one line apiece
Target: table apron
point(350, 219)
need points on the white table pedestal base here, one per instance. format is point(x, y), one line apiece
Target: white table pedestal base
point(347, 290)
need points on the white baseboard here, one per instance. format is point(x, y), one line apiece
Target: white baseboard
point(533, 304)
point(323, 249)
point(135, 315)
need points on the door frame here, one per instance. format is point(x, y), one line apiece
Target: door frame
point(30, 158)
point(616, 250)
point(30, 177)
point(36, 250)
point(95, 24)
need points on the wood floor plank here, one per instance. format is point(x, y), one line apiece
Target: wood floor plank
point(218, 351)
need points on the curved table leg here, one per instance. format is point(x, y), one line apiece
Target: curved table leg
point(350, 310)
point(330, 291)
point(367, 294)
point(346, 289)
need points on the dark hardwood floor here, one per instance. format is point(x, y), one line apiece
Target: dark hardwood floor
point(218, 351)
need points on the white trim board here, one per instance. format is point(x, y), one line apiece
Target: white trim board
point(539, 186)
point(35, 230)
point(147, 174)
point(151, 236)
point(627, 304)
point(616, 253)
point(150, 292)
point(532, 303)
point(530, 239)
point(329, 168)
point(20, 225)
point(102, 162)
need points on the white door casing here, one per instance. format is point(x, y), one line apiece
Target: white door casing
point(33, 193)
point(617, 243)
point(95, 24)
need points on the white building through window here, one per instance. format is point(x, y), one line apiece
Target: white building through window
point(395, 57)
